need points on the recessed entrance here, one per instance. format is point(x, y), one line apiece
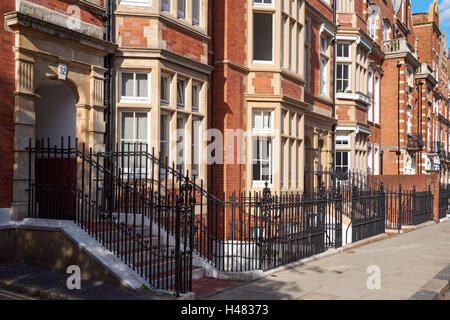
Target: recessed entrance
point(55, 163)
point(55, 112)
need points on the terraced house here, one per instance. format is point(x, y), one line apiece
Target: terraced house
point(163, 68)
point(160, 142)
point(434, 91)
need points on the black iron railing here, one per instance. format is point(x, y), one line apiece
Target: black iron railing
point(150, 230)
point(160, 221)
point(408, 207)
point(367, 212)
point(444, 195)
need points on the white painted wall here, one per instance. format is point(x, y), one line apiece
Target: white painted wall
point(55, 113)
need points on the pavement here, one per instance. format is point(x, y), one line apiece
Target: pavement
point(406, 264)
point(23, 282)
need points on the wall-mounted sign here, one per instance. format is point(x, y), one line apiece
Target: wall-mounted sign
point(62, 71)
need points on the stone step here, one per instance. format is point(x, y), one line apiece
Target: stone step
point(197, 273)
point(127, 245)
point(148, 256)
point(117, 234)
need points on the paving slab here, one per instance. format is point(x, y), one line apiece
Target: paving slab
point(406, 262)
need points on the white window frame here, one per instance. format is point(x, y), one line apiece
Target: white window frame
point(134, 99)
point(134, 140)
point(370, 86)
point(341, 165)
point(291, 45)
point(376, 160)
point(369, 158)
point(262, 130)
point(342, 79)
point(261, 183)
point(346, 58)
point(146, 3)
point(376, 98)
point(273, 40)
point(344, 138)
point(263, 4)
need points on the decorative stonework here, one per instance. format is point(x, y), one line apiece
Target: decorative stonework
point(59, 19)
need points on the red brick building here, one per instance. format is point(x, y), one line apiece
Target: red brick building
point(272, 79)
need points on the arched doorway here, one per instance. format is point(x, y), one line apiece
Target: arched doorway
point(55, 156)
point(55, 112)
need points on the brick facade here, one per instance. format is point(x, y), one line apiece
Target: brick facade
point(6, 107)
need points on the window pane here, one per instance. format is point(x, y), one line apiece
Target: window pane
point(180, 93)
point(127, 85)
point(195, 97)
point(164, 89)
point(257, 120)
point(164, 139)
point(195, 146)
point(345, 158)
point(141, 126)
point(165, 5)
point(142, 85)
point(267, 120)
point(266, 149)
point(127, 125)
point(262, 36)
point(181, 8)
point(195, 11)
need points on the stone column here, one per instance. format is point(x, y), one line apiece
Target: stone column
point(24, 119)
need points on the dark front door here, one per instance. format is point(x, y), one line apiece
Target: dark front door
point(55, 183)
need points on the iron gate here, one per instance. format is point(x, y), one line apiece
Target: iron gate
point(367, 213)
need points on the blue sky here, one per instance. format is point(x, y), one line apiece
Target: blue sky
point(444, 16)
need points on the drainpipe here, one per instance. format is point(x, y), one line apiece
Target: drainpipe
point(333, 108)
point(110, 78)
